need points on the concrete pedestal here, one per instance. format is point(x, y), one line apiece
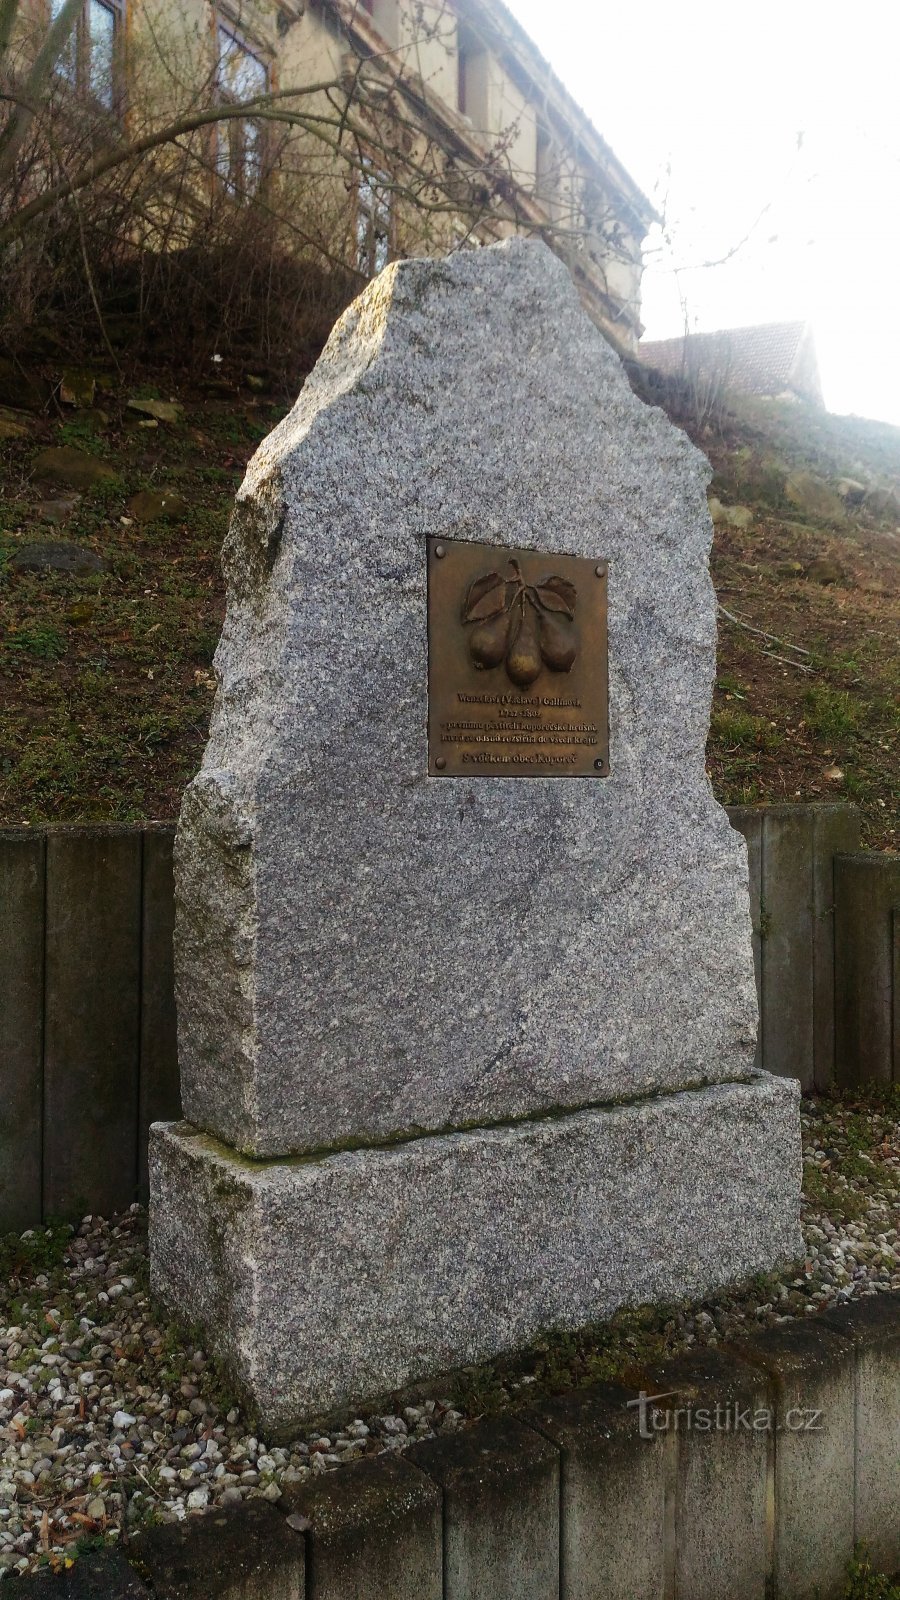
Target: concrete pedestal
point(323, 1281)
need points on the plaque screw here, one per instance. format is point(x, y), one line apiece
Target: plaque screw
point(600, 569)
point(599, 766)
point(440, 763)
point(440, 550)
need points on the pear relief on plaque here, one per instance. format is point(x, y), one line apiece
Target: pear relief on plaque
point(526, 626)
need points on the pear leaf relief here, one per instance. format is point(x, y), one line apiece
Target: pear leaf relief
point(527, 626)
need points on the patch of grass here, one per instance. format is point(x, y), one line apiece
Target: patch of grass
point(857, 786)
point(144, 1513)
point(86, 1544)
point(858, 1132)
point(562, 1360)
point(855, 1134)
point(479, 1392)
point(737, 742)
point(847, 663)
point(746, 793)
point(41, 1251)
point(832, 714)
point(204, 644)
point(827, 1193)
point(879, 1097)
point(108, 493)
point(83, 435)
point(178, 1343)
point(43, 641)
point(865, 1584)
point(729, 686)
point(740, 730)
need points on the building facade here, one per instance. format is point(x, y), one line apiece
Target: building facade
point(427, 125)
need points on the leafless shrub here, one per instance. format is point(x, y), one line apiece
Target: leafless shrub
point(215, 210)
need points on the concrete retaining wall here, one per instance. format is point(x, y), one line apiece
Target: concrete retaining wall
point(760, 1499)
point(87, 1016)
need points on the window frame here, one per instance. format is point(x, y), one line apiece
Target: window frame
point(471, 104)
point(380, 218)
point(78, 81)
point(232, 133)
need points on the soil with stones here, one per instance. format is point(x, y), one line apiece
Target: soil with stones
point(106, 640)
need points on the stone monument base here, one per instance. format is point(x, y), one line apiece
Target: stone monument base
point(321, 1281)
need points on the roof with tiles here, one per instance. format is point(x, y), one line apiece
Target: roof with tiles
point(773, 358)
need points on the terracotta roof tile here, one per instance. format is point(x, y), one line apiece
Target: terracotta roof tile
point(772, 358)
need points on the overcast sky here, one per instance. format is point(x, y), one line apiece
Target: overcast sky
point(776, 123)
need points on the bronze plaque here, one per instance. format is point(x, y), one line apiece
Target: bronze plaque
point(517, 665)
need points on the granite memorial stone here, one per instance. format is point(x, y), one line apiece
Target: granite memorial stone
point(452, 885)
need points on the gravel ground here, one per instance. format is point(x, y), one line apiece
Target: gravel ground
point(111, 1418)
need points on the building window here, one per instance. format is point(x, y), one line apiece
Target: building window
point(463, 54)
point(241, 75)
point(373, 220)
point(384, 16)
point(89, 61)
point(472, 73)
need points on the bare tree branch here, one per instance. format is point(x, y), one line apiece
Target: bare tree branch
point(58, 35)
point(772, 638)
point(129, 200)
point(9, 10)
point(117, 155)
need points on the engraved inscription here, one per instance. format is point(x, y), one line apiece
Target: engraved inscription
point(517, 663)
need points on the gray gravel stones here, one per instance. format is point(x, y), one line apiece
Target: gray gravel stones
point(107, 1425)
point(82, 1348)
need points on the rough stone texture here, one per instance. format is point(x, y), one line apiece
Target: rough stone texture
point(246, 1552)
point(612, 1495)
point(49, 556)
point(65, 464)
point(811, 1369)
point(500, 1483)
point(157, 505)
point(324, 1281)
point(814, 497)
point(721, 1545)
point(14, 426)
point(373, 1530)
point(58, 511)
point(873, 1324)
point(364, 949)
point(158, 410)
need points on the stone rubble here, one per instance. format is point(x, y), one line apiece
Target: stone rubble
point(109, 1422)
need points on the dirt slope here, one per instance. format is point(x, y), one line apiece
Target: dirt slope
point(105, 676)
